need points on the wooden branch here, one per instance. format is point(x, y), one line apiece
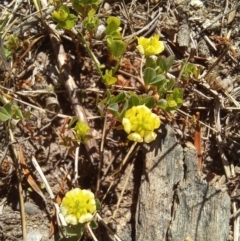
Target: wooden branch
point(174, 203)
point(71, 87)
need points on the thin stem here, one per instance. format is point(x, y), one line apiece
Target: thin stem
point(93, 57)
point(91, 232)
point(20, 189)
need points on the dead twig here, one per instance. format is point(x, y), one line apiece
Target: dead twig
point(20, 189)
point(197, 141)
point(224, 159)
point(101, 155)
point(71, 86)
point(218, 17)
point(108, 229)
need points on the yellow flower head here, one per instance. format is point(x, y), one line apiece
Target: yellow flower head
point(78, 206)
point(82, 128)
point(139, 122)
point(150, 46)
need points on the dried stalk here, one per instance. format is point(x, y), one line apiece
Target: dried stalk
point(71, 86)
point(20, 189)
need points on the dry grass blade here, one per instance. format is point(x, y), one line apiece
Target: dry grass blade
point(48, 188)
point(122, 192)
point(53, 224)
point(197, 141)
point(28, 175)
point(20, 189)
point(105, 225)
point(224, 159)
point(3, 60)
point(91, 232)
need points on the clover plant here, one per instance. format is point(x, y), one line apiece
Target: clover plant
point(64, 18)
point(133, 110)
point(12, 114)
point(78, 207)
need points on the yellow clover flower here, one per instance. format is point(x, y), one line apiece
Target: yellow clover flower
point(150, 46)
point(139, 122)
point(82, 128)
point(78, 206)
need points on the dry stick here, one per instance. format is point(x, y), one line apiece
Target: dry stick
point(109, 164)
point(202, 123)
point(32, 20)
point(49, 190)
point(223, 17)
point(44, 110)
point(124, 187)
point(219, 17)
point(101, 154)
point(4, 153)
point(125, 184)
point(91, 232)
point(71, 86)
point(198, 142)
point(235, 214)
point(181, 71)
point(20, 189)
point(108, 190)
point(76, 166)
point(108, 229)
point(217, 61)
point(225, 162)
point(147, 27)
point(125, 159)
point(235, 223)
point(12, 14)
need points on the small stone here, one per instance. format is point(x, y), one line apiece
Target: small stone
point(31, 209)
point(34, 235)
point(196, 3)
point(100, 33)
point(106, 6)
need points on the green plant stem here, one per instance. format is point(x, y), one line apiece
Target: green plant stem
point(116, 67)
point(93, 57)
point(182, 69)
point(141, 67)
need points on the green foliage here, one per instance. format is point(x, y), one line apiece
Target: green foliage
point(117, 105)
point(74, 133)
point(87, 2)
point(81, 132)
point(113, 28)
point(135, 100)
point(82, 7)
point(108, 78)
point(151, 78)
point(155, 75)
point(190, 71)
point(4, 23)
point(13, 42)
point(111, 103)
point(172, 101)
point(116, 46)
point(91, 22)
point(73, 233)
point(64, 18)
point(162, 64)
point(98, 204)
point(159, 89)
point(93, 224)
point(12, 114)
